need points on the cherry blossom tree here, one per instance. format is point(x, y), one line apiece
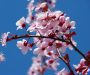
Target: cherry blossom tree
point(52, 32)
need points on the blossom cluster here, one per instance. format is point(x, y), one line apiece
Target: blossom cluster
point(37, 67)
point(42, 21)
point(84, 66)
point(46, 22)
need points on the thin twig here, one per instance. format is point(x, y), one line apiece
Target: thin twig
point(76, 49)
point(68, 65)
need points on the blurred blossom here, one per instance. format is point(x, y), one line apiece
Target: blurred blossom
point(37, 68)
point(20, 23)
point(2, 57)
point(4, 38)
point(82, 68)
point(63, 72)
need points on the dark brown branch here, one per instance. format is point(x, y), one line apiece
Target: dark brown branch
point(28, 36)
point(60, 39)
point(66, 62)
point(77, 50)
point(68, 65)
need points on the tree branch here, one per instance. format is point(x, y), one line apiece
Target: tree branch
point(60, 39)
point(77, 50)
point(28, 36)
point(68, 65)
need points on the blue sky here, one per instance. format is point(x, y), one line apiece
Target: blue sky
point(12, 10)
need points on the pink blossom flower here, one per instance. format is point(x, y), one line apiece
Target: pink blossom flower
point(4, 38)
point(63, 72)
point(41, 15)
point(30, 11)
point(40, 50)
point(52, 63)
point(60, 46)
point(70, 24)
point(51, 54)
point(57, 13)
point(82, 68)
point(24, 46)
point(20, 23)
point(32, 27)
